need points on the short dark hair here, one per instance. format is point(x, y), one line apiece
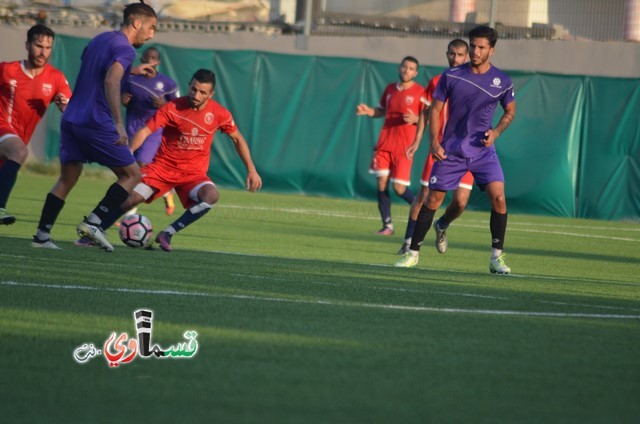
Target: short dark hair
point(410, 59)
point(484, 32)
point(205, 76)
point(38, 31)
point(457, 43)
point(133, 10)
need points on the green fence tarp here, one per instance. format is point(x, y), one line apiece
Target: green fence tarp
point(573, 149)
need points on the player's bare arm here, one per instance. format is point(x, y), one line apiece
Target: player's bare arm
point(158, 102)
point(112, 94)
point(254, 181)
point(61, 101)
point(410, 117)
point(434, 130)
point(506, 120)
point(363, 109)
point(422, 122)
point(138, 138)
point(145, 69)
point(125, 99)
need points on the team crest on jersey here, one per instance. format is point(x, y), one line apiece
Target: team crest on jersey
point(409, 100)
point(496, 82)
point(194, 131)
point(13, 83)
point(47, 89)
point(159, 86)
point(208, 118)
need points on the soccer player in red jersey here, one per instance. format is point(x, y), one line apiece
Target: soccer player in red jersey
point(457, 54)
point(27, 87)
point(182, 161)
point(400, 105)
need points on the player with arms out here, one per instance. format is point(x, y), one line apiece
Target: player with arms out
point(182, 161)
point(27, 88)
point(473, 91)
point(457, 54)
point(400, 105)
point(92, 128)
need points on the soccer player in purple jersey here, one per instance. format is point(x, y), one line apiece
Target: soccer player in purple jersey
point(142, 97)
point(473, 91)
point(92, 128)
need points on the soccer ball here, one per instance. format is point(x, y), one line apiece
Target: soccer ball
point(136, 230)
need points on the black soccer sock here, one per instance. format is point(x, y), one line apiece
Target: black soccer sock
point(407, 196)
point(443, 224)
point(190, 216)
point(8, 176)
point(50, 211)
point(114, 198)
point(112, 218)
point(384, 206)
point(425, 218)
point(498, 227)
point(411, 225)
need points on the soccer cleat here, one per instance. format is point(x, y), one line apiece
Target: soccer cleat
point(404, 249)
point(498, 265)
point(164, 240)
point(408, 260)
point(95, 234)
point(169, 206)
point(385, 231)
point(441, 238)
point(6, 218)
point(44, 244)
point(84, 242)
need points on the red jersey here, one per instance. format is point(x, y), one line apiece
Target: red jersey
point(396, 135)
point(188, 134)
point(444, 114)
point(24, 98)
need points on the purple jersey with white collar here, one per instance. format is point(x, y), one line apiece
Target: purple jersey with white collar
point(143, 90)
point(140, 109)
point(473, 99)
point(88, 107)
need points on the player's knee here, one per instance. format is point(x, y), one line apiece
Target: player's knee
point(459, 204)
point(399, 189)
point(209, 194)
point(499, 203)
point(18, 153)
point(211, 197)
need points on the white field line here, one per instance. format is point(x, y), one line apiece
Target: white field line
point(327, 302)
point(257, 255)
point(513, 226)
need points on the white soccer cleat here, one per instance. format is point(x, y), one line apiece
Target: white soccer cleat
point(44, 244)
point(95, 233)
point(498, 266)
point(408, 260)
point(441, 238)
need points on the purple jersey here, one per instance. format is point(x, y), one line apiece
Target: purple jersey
point(473, 99)
point(143, 90)
point(88, 107)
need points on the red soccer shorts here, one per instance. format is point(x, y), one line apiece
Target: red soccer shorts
point(396, 166)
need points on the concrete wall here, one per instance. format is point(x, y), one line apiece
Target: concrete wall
point(609, 59)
